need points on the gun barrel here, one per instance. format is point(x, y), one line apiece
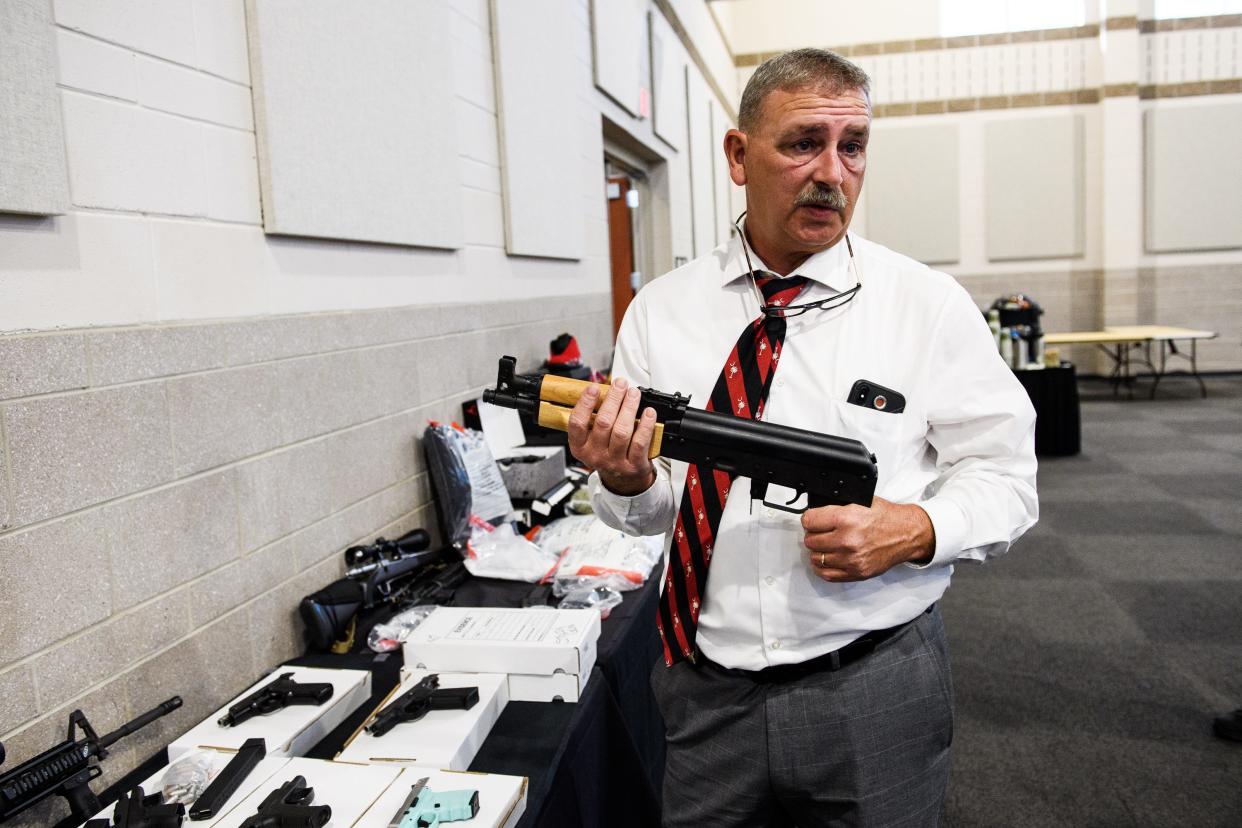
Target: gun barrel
point(524, 392)
point(160, 710)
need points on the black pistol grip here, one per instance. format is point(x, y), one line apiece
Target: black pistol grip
point(455, 698)
point(318, 693)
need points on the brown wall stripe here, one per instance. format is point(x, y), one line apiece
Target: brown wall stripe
point(1220, 21)
point(1182, 24)
point(1062, 98)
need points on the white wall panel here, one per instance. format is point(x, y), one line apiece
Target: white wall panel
point(720, 165)
point(912, 188)
point(668, 73)
point(702, 192)
point(538, 83)
point(618, 38)
point(33, 178)
point(1033, 187)
point(354, 116)
point(1194, 177)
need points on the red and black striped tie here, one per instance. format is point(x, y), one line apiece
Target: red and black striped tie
point(742, 390)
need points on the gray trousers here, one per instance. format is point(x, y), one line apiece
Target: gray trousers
point(865, 745)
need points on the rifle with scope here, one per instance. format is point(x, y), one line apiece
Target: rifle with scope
point(401, 572)
point(379, 567)
point(828, 470)
point(67, 769)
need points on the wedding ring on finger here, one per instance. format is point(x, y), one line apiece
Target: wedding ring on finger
point(823, 560)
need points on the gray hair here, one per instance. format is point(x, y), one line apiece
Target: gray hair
point(798, 69)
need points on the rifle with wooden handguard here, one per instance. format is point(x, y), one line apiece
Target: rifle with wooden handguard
point(828, 470)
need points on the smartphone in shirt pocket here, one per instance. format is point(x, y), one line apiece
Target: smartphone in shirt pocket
point(876, 397)
point(872, 414)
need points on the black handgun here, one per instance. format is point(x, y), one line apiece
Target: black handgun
point(289, 806)
point(68, 768)
point(414, 703)
point(277, 695)
point(135, 810)
point(828, 470)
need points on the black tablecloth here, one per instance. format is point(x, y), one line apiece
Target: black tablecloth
point(597, 761)
point(1054, 393)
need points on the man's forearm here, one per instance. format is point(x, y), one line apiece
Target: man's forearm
point(649, 512)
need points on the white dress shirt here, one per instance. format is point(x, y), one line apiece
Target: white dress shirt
point(963, 449)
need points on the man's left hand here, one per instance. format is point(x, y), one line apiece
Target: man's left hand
point(854, 543)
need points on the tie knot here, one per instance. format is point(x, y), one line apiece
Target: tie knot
point(779, 291)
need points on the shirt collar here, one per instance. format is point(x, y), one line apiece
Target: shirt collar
point(829, 267)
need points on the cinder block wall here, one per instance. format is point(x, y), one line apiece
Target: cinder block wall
point(169, 493)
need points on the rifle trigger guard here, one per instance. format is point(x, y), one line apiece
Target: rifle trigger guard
point(785, 507)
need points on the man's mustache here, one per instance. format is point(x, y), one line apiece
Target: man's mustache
point(820, 195)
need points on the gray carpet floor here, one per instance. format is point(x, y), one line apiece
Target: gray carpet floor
point(1089, 661)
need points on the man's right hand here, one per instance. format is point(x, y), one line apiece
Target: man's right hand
point(614, 445)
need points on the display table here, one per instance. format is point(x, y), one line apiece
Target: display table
point(1054, 393)
point(597, 761)
point(1122, 342)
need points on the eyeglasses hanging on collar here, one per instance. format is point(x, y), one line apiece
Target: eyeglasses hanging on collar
point(831, 303)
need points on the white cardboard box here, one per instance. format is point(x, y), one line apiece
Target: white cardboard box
point(216, 759)
point(349, 790)
point(442, 738)
point(539, 643)
point(290, 731)
point(556, 687)
point(502, 799)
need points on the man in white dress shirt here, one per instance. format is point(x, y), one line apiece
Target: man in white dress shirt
point(818, 688)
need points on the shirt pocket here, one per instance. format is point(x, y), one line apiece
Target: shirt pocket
point(880, 432)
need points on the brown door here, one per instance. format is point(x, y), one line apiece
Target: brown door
point(620, 247)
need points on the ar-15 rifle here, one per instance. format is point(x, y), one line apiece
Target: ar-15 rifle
point(330, 615)
point(135, 810)
point(289, 806)
point(68, 768)
point(274, 696)
point(828, 470)
point(424, 808)
point(414, 703)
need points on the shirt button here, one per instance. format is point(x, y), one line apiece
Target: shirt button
point(780, 382)
point(775, 645)
point(770, 580)
point(768, 513)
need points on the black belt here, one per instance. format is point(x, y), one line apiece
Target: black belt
point(835, 660)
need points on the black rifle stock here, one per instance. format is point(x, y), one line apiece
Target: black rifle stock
point(276, 695)
point(828, 470)
point(289, 806)
point(414, 703)
point(68, 768)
